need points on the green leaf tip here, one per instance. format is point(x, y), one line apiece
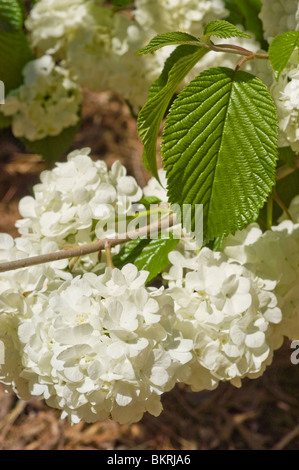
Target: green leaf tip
point(224, 29)
point(168, 39)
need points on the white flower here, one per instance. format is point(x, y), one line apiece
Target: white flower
point(35, 278)
point(46, 103)
point(102, 55)
point(273, 254)
point(285, 93)
point(278, 17)
point(228, 312)
point(178, 15)
point(52, 22)
point(18, 292)
point(103, 346)
point(154, 188)
point(77, 201)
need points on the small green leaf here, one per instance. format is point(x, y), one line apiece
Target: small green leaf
point(223, 29)
point(11, 16)
point(177, 66)
point(245, 12)
point(281, 49)
point(51, 148)
point(147, 201)
point(147, 254)
point(168, 39)
point(14, 48)
point(220, 148)
point(14, 55)
point(121, 3)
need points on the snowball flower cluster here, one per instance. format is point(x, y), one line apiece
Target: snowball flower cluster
point(78, 201)
point(46, 103)
point(99, 47)
point(229, 313)
point(279, 16)
point(273, 254)
point(51, 23)
point(18, 290)
point(102, 346)
point(178, 15)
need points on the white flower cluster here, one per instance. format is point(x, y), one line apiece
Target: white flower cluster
point(48, 101)
point(191, 16)
point(18, 290)
point(228, 312)
point(273, 254)
point(102, 346)
point(279, 16)
point(52, 22)
point(99, 47)
point(77, 201)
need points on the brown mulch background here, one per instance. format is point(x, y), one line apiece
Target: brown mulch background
point(263, 414)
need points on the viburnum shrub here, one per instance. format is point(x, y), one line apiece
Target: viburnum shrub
point(111, 294)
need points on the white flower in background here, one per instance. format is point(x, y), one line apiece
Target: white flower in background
point(77, 201)
point(52, 22)
point(273, 254)
point(103, 56)
point(228, 312)
point(285, 93)
point(47, 102)
point(103, 346)
point(278, 17)
point(178, 15)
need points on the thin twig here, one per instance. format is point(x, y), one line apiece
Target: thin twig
point(98, 245)
point(286, 170)
point(282, 206)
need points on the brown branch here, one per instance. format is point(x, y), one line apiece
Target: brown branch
point(90, 248)
point(286, 170)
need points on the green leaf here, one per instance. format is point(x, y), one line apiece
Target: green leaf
point(14, 54)
point(51, 148)
point(147, 254)
point(177, 66)
point(224, 29)
point(220, 148)
point(168, 39)
point(245, 12)
point(147, 201)
point(121, 3)
point(11, 16)
point(14, 48)
point(281, 49)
